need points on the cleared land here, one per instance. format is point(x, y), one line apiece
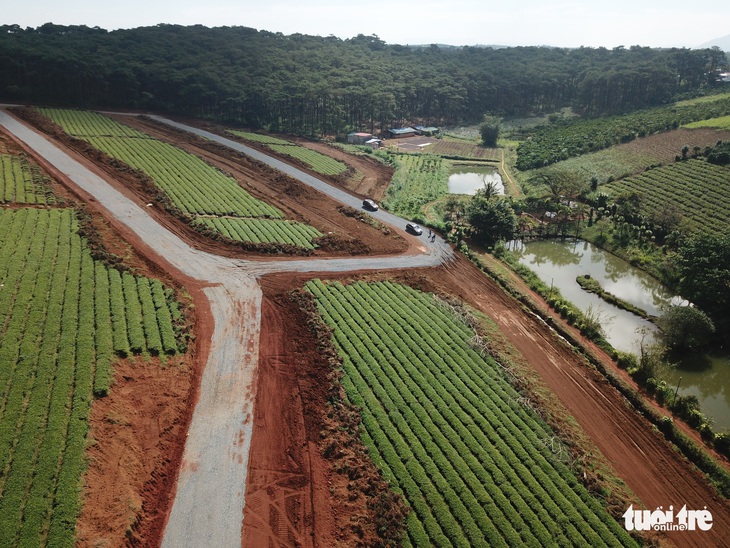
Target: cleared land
point(655, 473)
point(65, 318)
point(460, 149)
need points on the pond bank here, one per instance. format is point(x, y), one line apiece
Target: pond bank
point(559, 263)
point(592, 286)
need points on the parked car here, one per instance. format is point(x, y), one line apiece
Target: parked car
point(369, 205)
point(413, 228)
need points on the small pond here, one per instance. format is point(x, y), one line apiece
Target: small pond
point(707, 377)
point(469, 179)
point(558, 263)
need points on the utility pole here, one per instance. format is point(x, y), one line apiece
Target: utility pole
point(677, 390)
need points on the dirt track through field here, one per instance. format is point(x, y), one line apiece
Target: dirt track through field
point(641, 457)
point(211, 491)
point(208, 505)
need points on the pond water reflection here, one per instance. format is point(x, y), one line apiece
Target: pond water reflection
point(469, 179)
point(558, 263)
point(707, 377)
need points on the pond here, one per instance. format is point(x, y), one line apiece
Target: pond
point(469, 179)
point(558, 263)
point(706, 377)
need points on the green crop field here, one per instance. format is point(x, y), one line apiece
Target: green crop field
point(316, 161)
point(701, 190)
point(703, 99)
point(634, 157)
point(562, 140)
point(446, 428)
point(20, 182)
point(263, 231)
point(63, 316)
point(464, 149)
point(418, 180)
point(195, 187)
point(723, 122)
point(83, 124)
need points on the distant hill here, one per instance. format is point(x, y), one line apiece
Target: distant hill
point(722, 43)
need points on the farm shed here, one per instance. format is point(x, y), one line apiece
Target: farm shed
point(423, 130)
point(358, 138)
point(402, 132)
point(374, 143)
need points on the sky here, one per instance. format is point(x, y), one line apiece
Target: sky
point(559, 23)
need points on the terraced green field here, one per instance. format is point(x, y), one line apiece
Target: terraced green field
point(63, 317)
point(418, 180)
point(20, 182)
point(264, 231)
point(701, 190)
point(631, 158)
point(552, 143)
point(447, 429)
point(195, 187)
point(315, 160)
point(723, 122)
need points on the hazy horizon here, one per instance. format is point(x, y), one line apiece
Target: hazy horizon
point(651, 23)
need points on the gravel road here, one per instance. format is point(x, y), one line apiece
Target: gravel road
point(438, 246)
point(208, 505)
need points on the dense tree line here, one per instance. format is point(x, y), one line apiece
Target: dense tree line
point(703, 266)
point(311, 85)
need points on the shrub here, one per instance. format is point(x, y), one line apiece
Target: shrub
point(627, 361)
point(686, 328)
point(666, 425)
point(722, 443)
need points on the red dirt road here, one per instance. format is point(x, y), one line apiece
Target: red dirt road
point(640, 456)
point(290, 496)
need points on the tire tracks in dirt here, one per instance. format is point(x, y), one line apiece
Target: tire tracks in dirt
point(208, 506)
